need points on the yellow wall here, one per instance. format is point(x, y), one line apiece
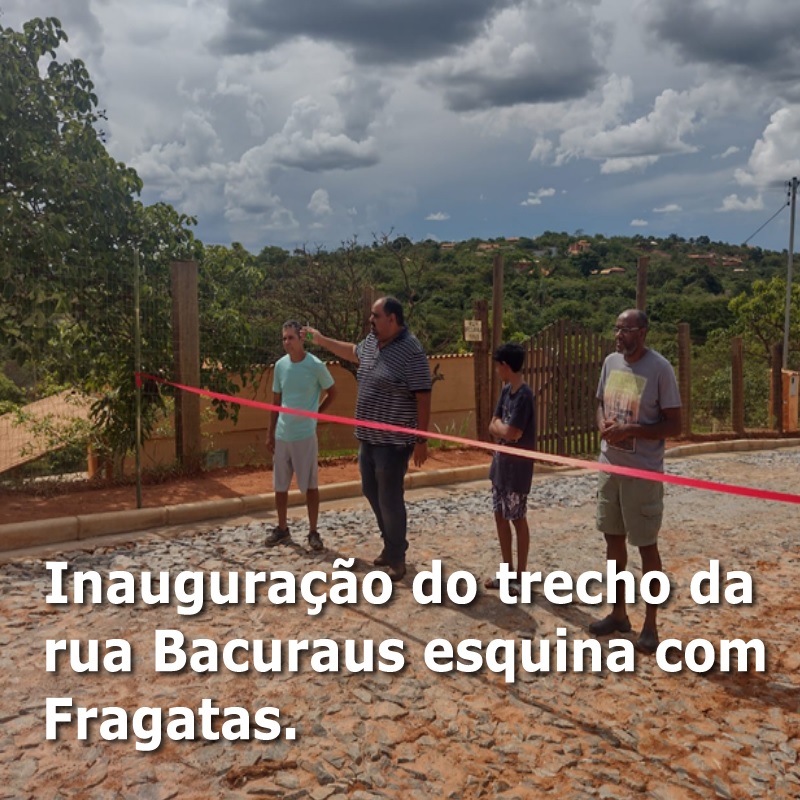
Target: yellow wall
point(452, 412)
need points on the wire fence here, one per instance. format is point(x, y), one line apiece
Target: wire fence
point(71, 404)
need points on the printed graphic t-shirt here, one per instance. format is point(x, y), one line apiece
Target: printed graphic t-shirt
point(637, 393)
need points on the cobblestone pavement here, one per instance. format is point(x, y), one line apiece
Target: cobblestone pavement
point(415, 733)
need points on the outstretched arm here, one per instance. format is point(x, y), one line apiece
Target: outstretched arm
point(343, 350)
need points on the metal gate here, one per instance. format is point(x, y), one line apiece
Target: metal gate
point(562, 366)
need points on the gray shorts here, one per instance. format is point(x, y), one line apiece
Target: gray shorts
point(295, 458)
point(631, 507)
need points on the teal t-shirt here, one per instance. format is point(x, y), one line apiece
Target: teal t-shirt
point(300, 385)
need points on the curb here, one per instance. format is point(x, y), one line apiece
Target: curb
point(731, 446)
point(59, 530)
point(20, 535)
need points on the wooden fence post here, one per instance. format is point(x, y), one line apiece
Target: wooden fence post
point(776, 390)
point(481, 366)
point(561, 387)
point(685, 377)
point(497, 324)
point(186, 354)
point(737, 385)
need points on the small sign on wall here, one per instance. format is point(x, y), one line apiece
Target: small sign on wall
point(472, 330)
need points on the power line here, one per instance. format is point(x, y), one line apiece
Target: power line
point(766, 223)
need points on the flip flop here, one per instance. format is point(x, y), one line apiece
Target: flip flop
point(514, 587)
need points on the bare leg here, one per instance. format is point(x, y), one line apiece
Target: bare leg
point(504, 537)
point(523, 543)
point(617, 550)
point(282, 507)
point(312, 503)
point(651, 562)
point(617, 620)
point(506, 550)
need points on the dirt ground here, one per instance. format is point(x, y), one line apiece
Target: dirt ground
point(364, 733)
point(47, 501)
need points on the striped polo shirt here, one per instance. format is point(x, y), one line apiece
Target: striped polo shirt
point(388, 379)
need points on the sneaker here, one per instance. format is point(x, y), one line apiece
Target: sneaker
point(609, 625)
point(278, 536)
point(396, 572)
point(647, 642)
point(315, 541)
point(381, 560)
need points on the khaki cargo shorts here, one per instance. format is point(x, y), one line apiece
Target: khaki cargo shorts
point(631, 507)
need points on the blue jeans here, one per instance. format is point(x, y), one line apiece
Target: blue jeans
point(383, 468)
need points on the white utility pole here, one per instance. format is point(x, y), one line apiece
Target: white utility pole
point(793, 194)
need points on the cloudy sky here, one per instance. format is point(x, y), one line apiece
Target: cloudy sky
point(308, 122)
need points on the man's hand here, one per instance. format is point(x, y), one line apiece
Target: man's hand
point(615, 432)
point(271, 443)
point(420, 453)
point(309, 334)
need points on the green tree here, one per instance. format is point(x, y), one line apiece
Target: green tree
point(11, 396)
point(69, 220)
point(240, 322)
point(587, 262)
point(65, 204)
point(325, 289)
point(760, 316)
point(711, 385)
point(91, 346)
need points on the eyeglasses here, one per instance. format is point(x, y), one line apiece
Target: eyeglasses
point(624, 330)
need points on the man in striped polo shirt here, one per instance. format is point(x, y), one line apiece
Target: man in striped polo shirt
point(394, 388)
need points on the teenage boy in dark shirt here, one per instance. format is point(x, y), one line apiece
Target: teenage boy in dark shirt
point(514, 425)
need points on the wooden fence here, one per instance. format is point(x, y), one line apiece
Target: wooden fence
point(562, 366)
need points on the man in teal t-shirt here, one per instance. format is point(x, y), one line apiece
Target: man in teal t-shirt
point(300, 379)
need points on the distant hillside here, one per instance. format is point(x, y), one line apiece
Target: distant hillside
point(591, 278)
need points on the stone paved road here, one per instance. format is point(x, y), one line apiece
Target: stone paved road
point(415, 733)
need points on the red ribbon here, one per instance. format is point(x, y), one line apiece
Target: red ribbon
point(693, 483)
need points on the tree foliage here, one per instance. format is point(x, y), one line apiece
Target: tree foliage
point(65, 204)
point(69, 220)
point(328, 290)
point(760, 316)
